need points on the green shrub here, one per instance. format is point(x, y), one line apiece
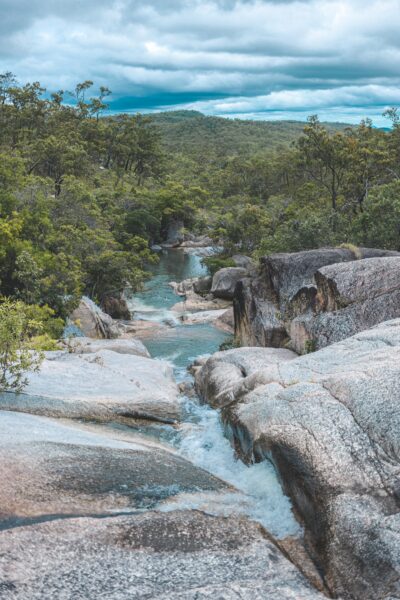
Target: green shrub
point(215, 263)
point(16, 354)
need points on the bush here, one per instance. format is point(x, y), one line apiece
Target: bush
point(16, 354)
point(217, 262)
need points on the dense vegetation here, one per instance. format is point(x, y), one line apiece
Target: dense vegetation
point(83, 196)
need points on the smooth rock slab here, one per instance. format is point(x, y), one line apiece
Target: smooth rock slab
point(102, 385)
point(186, 555)
point(48, 468)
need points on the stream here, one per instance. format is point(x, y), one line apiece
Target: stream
point(257, 493)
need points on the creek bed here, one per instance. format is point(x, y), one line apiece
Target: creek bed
point(200, 437)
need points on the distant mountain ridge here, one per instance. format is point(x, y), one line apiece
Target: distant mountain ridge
point(192, 132)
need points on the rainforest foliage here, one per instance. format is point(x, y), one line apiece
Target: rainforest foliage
point(83, 195)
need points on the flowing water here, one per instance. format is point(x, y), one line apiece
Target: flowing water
point(200, 437)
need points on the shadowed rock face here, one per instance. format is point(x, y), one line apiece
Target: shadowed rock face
point(82, 516)
point(292, 301)
point(330, 422)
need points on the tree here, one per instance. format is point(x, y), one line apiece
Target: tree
point(324, 157)
point(16, 354)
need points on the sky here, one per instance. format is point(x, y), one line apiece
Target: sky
point(252, 59)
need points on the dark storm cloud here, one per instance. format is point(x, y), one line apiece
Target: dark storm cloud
point(253, 58)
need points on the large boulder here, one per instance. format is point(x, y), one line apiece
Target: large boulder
point(224, 373)
point(103, 385)
point(93, 322)
point(330, 423)
point(87, 514)
point(116, 307)
point(340, 285)
point(349, 298)
point(286, 288)
point(225, 280)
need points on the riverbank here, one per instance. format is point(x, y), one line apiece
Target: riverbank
point(135, 506)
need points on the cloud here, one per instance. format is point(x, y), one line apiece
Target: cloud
point(253, 58)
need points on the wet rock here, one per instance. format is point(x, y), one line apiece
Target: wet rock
point(49, 468)
point(202, 285)
point(225, 280)
point(187, 389)
point(198, 285)
point(82, 345)
point(93, 322)
point(103, 385)
point(330, 422)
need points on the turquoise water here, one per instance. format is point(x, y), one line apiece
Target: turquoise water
point(179, 344)
point(200, 436)
point(174, 265)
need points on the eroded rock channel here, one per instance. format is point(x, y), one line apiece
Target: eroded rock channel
point(118, 481)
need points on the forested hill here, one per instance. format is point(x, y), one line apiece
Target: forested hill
point(84, 196)
point(191, 132)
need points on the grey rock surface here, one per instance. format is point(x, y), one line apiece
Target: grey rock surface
point(102, 385)
point(176, 555)
point(52, 469)
point(194, 302)
point(330, 422)
point(341, 285)
point(93, 322)
point(225, 372)
point(225, 280)
point(226, 321)
point(309, 299)
point(87, 515)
